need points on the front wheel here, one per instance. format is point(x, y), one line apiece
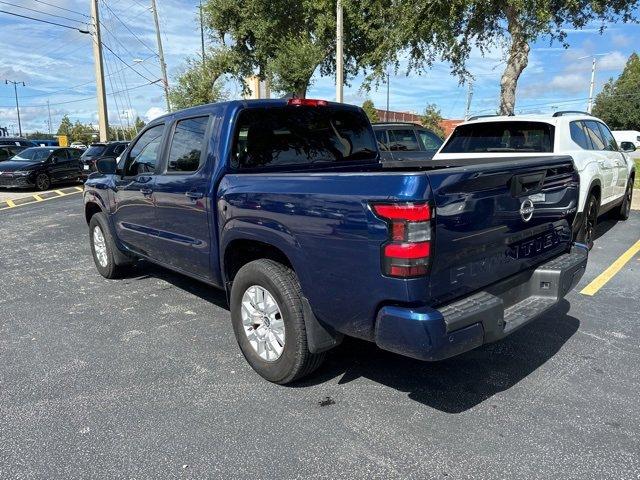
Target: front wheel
point(588, 230)
point(43, 182)
point(268, 322)
point(103, 248)
point(625, 208)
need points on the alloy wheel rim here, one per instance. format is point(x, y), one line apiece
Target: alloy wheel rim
point(42, 181)
point(628, 199)
point(100, 247)
point(263, 323)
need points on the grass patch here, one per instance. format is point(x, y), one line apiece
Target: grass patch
point(637, 182)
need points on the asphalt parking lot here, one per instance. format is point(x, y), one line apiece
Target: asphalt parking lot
point(142, 378)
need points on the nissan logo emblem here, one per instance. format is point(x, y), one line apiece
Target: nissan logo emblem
point(526, 210)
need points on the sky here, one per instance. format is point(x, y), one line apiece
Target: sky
point(56, 64)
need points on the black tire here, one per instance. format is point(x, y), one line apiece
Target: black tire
point(43, 182)
point(590, 221)
point(625, 208)
point(111, 268)
point(282, 283)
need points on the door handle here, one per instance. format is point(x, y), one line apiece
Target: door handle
point(194, 195)
point(146, 191)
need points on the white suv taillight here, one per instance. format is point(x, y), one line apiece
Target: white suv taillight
point(408, 252)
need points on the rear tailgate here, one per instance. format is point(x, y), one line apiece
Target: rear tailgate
point(499, 218)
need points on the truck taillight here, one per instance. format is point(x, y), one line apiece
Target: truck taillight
point(408, 252)
point(307, 102)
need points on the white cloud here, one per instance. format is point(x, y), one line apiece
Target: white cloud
point(154, 112)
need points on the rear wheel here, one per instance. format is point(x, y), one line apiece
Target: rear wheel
point(43, 182)
point(588, 230)
point(625, 208)
point(268, 321)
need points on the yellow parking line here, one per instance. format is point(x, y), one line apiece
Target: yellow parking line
point(60, 192)
point(11, 203)
point(38, 198)
point(609, 273)
point(78, 188)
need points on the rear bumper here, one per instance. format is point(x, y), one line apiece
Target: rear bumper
point(435, 334)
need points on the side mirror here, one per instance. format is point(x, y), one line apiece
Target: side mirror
point(107, 166)
point(627, 147)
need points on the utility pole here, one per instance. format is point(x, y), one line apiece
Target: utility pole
point(49, 110)
point(163, 65)
point(15, 91)
point(387, 116)
point(339, 53)
point(103, 122)
point(593, 77)
point(202, 32)
point(469, 97)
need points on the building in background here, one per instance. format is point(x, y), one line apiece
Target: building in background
point(4, 132)
point(257, 89)
point(410, 117)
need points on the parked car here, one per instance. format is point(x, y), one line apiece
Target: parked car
point(17, 141)
point(8, 151)
point(606, 172)
point(399, 141)
point(285, 205)
point(78, 145)
point(96, 151)
point(632, 136)
point(40, 167)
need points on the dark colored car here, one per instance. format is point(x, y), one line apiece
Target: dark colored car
point(405, 141)
point(17, 141)
point(97, 151)
point(40, 167)
point(287, 207)
point(8, 151)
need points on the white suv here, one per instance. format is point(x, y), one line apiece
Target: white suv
point(606, 172)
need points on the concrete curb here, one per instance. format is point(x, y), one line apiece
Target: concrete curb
point(39, 197)
point(635, 202)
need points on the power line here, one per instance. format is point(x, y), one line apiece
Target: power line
point(62, 8)
point(81, 99)
point(41, 12)
point(128, 29)
point(125, 63)
point(46, 21)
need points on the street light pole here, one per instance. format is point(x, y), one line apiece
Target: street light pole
point(339, 53)
point(15, 91)
point(593, 77)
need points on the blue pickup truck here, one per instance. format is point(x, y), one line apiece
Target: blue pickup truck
point(286, 206)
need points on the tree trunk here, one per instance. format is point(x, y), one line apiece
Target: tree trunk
point(516, 63)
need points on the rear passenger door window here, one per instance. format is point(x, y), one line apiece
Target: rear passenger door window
point(593, 132)
point(403, 140)
point(143, 156)
point(187, 145)
point(610, 142)
point(579, 136)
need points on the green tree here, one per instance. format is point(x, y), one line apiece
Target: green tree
point(40, 136)
point(432, 119)
point(428, 31)
point(619, 102)
point(370, 109)
point(285, 41)
point(65, 127)
point(197, 84)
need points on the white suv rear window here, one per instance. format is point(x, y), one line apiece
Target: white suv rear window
point(501, 137)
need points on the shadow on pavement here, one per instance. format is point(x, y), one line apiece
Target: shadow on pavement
point(452, 386)
point(460, 383)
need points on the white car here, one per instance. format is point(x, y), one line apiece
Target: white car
point(632, 136)
point(606, 172)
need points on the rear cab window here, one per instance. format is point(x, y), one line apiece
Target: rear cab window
point(497, 137)
point(285, 136)
point(187, 145)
